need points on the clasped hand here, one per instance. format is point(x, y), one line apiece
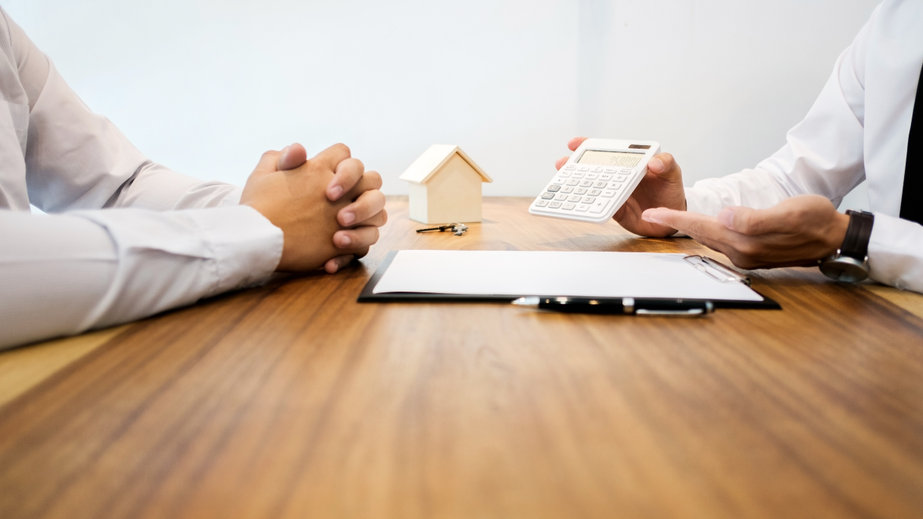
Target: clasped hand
point(329, 208)
point(797, 231)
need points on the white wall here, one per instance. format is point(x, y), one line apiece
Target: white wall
point(205, 86)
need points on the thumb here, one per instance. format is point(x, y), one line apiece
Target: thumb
point(291, 157)
point(747, 220)
point(268, 162)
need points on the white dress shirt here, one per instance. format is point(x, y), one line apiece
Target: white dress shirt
point(125, 237)
point(856, 130)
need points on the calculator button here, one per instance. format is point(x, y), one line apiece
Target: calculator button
point(547, 196)
point(569, 206)
point(580, 191)
point(588, 200)
point(569, 167)
point(573, 198)
point(582, 207)
point(615, 185)
point(592, 176)
point(554, 205)
point(605, 176)
point(594, 192)
point(586, 183)
point(560, 197)
point(608, 193)
point(611, 171)
point(572, 182)
point(563, 174)
point(597, 170)
point(554, 188)
point(567, 189)
point(599, 206)
point(599, 184)
point(541, 203)
point(583, 168)
point(577, 174)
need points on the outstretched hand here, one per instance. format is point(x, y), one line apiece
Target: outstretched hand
point(662, 186)
point(797, 231)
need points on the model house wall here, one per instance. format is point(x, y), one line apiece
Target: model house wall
point(445, 186)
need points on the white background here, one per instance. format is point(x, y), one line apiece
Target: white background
point(205, 86)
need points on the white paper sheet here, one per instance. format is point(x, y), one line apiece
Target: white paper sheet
point(555, 273)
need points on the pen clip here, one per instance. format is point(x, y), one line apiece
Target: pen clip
point(716, 269)
point(689, 312)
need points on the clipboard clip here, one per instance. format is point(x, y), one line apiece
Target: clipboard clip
point(716, 269)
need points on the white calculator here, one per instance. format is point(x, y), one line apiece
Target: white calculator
point(596, 180)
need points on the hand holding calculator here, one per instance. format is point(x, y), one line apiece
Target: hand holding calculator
point(596, 180)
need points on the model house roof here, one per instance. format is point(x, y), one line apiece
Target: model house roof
point(433, 158)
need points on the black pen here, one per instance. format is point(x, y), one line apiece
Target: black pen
point(619, 305)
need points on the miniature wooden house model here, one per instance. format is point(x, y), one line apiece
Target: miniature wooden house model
point(445, 186)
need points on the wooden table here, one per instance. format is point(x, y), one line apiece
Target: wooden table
point(292, 400)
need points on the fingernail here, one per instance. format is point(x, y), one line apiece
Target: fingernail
point(656, 164)
point(348, 217)
point(336, 192)
point(344, 241)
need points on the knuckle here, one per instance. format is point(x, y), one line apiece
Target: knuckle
point(374, 178)
point(355, 164)
point(744, 223)
point(342, 148)
point(746, 248)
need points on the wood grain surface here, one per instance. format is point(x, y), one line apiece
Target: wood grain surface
point(292, 400)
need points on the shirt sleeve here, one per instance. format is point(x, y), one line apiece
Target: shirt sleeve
point(896, 253)
point(64, 274)
point(125, 238)
point(824, 155)
point(77, 159)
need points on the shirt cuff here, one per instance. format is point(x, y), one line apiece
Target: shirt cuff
point(895, 256)
point(246, 246)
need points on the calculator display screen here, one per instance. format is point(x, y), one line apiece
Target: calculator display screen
point(620, 159)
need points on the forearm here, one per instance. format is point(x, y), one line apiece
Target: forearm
point(156, 187)
point(77, 159)
point(98, 268)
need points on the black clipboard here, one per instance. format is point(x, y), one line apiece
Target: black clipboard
point(706, 265)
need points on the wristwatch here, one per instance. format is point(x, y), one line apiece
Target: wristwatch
point(850, 263)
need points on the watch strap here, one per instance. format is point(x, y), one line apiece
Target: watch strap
point(858, 234)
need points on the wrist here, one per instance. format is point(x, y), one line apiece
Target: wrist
point(837, 234)
point(850, 261)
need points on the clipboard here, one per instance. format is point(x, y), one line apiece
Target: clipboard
point(502, 276)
